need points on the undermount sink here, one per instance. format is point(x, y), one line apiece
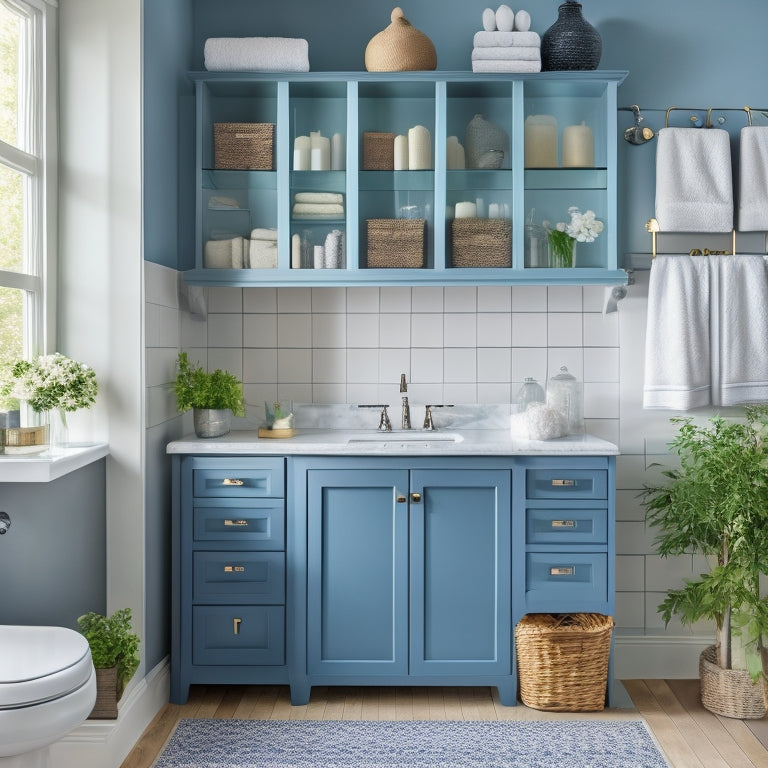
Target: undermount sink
point(407, 437)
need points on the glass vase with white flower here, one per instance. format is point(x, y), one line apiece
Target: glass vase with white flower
point(581, 228)
point(51, 386)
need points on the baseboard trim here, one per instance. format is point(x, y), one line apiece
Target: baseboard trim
point(106, 743)
point(643, 657)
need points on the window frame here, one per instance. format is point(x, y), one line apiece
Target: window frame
point(38, 163)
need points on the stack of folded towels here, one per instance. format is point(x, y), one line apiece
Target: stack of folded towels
point(258, 252)
point(318, 205)
point(262, 253)
point(506, 43)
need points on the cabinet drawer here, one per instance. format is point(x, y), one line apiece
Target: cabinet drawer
point(229, 478)
point(238, 577)
point(566, 526)
point(554, 576)
point(566, 484)
point(260, 522)
point(238, 635)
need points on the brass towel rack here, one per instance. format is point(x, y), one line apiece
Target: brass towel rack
point(652, 225)
point(709, 111)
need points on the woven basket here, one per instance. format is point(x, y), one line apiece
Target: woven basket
point(481, 243)
point(378, 151)
point(105, 707)
point(24, 437)
point(729, 692)
point(562, 660)
point(400, 47)
point(243, 146)
point(396, 243)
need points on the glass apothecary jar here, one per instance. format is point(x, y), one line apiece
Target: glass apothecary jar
point(565, 393)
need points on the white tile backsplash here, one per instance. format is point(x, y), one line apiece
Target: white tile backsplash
point(494, 329)
point(294, 330)
point(529, 298)
point(427, 329)
point(494, 298)
point(363, 330)
point(564, 298)
point(564, 329)
point(426, 299)
point(259, 330)
point(225, 330)
point(460, 298)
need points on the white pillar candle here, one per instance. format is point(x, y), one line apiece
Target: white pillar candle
point(540, 141)
point(338, 152)
point(319, 259)
point(578, 148)
point(321, 152)
point(419, 149)
point(466, 210)
point(493, 211)
point(301, 153)
point(296, 251)
point(454, 154)
point(401, 153)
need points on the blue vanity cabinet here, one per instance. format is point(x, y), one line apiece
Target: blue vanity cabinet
point(229, 572)
point(408, 573)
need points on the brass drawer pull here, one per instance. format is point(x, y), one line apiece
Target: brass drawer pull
point(234, 569)
point(238, 523)
point(563, 523)
point(562, 570)
point(416, 498)
point(232, 481)
point(560, 483)
point(236, 626)
point(401, 499)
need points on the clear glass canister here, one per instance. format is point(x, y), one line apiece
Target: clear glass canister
point(566, 394)
point(536, 246)
point(530, 392)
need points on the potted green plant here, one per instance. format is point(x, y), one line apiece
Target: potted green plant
point(214, 397)
point(716, 504)
point(114, 649)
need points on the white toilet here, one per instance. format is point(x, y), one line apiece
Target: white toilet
point(47, 688)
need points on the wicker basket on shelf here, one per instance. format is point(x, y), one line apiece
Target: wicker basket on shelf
point(562, 660)
point(378, 151)
point(481, 242)
point(243, 146)
point(396, 243)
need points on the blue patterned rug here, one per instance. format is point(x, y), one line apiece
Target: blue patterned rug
point(410, 744)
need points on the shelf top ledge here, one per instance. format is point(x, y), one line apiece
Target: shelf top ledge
point(592, 75)
point(44, 467)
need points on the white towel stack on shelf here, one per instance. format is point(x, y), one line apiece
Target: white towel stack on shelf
point(256, 54)
point(318, 205)
point(224, 254)
point(506, 43)
point(262, 252)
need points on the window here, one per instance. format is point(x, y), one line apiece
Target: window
point(27, 176)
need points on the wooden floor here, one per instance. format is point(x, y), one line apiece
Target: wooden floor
point(690, 736)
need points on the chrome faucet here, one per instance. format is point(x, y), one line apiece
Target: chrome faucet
point(406, 420)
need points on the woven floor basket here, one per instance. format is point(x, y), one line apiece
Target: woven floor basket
point(729, 692)
point(396, 243)
point(105, 707)
point(562, 660)
point(243, 146)
point(481, 242)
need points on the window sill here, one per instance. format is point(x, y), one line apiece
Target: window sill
point(43, 467)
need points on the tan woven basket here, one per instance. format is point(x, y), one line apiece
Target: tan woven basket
point(481, 243)
point(105, 707)
point(400, 47)
point(378, 151)
point(396, 243)
point(25, 437)
point(243, 146)
point(562, 660)
point(729, 692)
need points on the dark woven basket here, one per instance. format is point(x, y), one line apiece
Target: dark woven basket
point(378, 151)
point(243, 146)
point(481, 242)
point(105, 707)
point(571, 42)
point(396, 243)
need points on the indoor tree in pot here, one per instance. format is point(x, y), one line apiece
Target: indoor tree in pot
point(716, 504)
point(214, 397)
point(114, 650)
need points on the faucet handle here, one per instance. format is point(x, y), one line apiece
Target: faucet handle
point(385, 424)
point(403, 383)
point(429, 425)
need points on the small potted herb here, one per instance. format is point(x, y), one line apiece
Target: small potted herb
point(214, 397)
point(114, 650)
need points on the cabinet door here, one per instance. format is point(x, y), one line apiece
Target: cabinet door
point(357, 613)
point(460, 570)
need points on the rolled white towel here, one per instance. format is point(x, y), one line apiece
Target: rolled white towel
point(325, 209)
point(263, 254)
point(256, 54)
point(506, 65)
point(319, 197)
point(261, 233)
point(224, 254)
point(518, 53)
point(504, 39)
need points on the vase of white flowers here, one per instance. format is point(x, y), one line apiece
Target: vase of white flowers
point(51, 386)
point(582, 228)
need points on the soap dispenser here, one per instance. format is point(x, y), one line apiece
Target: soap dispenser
point(566, 394)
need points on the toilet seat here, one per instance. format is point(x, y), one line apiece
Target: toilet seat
point(40, 664)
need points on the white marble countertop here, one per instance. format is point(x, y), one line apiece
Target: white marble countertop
point(340, 442)
point(44, 467)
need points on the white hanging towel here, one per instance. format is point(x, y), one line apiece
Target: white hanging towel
point(694, 184)
point(739, 329)
point(677, 349)
point(753, 178)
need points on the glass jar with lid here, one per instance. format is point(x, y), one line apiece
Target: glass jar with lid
point(566, 394)
point(530, 392)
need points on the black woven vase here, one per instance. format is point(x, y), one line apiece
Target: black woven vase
point(571, 42)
